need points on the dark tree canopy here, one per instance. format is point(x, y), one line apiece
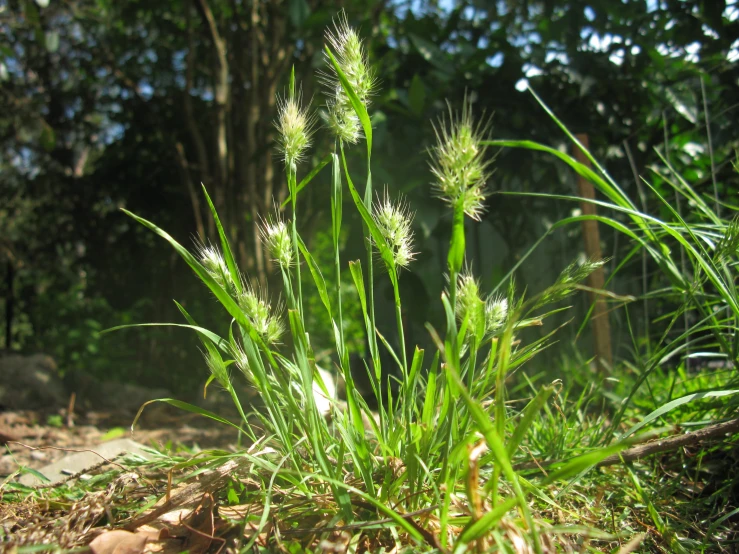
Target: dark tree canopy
point(134, 104)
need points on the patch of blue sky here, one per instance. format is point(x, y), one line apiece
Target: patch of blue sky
point(146, 90)
point(530, 71)
point(496, 60)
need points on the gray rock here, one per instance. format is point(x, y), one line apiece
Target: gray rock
point(30, 383)
point(81, 461)
point(119, 398)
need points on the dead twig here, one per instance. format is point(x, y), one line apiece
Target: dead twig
point(77, 475)
point(191, 493)
point(673, 443)
point(654, 446)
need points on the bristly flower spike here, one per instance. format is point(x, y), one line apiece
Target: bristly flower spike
point(395, 223)
point(496, 313)
point(276, 237)
point(351, 57)
point(458, 161)
point(215, 265)
point(489, 314)
point(263, 318)
point(469, 303)
point(218, 368)
point(295, 127)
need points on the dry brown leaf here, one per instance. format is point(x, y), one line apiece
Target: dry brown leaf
point(119, 541)
point(201, 526)
point(240, 511)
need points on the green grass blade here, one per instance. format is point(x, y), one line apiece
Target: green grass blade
point(659, 412)
point(613, 193)
point(500, 453)
point(215, 339)
point(305, 181)
point(577, 142)
point(188, 408)
point(580, 464)
point(482, 526)
point(527, 418)
point(227, 254)
point(223, 297)
point(385, 251)
point(317, 276)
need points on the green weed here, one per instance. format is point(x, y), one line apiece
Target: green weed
point(444, 462)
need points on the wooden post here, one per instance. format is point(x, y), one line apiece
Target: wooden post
point(591, 238)
point(9, 305)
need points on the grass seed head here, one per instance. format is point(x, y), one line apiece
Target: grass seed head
point(214, 263)
point(295, 127)
point(343, 122)
point(458, 161)
point(496, 313)
point(242, 361)
point(218, 368)
point(395, 221)
point(276, 237)
point(568, 281)
point(263, 318)
point(469, 304)
point(351, 56)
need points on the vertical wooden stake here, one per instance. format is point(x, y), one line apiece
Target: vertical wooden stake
point(591, 238)
point(9, 304)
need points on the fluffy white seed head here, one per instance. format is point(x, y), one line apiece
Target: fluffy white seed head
point(295, 126)
point(349, 51)
point(343, 122)
point(395, 223)
point(458, 161)
point(496, 313)
point(214, 263)
point(351, 56)
point(263, 318)
point(276, 237)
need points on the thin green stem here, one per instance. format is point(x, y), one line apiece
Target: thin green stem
point(292, 178)
point(399, 321)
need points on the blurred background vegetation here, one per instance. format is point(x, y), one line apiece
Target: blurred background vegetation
point(108, 104)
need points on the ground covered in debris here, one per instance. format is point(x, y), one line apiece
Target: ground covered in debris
point(74, 514)
point(34, 439)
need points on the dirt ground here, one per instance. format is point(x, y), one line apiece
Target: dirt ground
point(35, 439)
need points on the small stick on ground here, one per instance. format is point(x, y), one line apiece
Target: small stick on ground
point(673, 443)
point(655, 446)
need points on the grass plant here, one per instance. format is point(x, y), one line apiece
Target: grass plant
point(418, 451)
point(454, 459)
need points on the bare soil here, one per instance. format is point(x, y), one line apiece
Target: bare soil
point(35, 439)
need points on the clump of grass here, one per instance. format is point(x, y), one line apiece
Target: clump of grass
point(436, 464)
